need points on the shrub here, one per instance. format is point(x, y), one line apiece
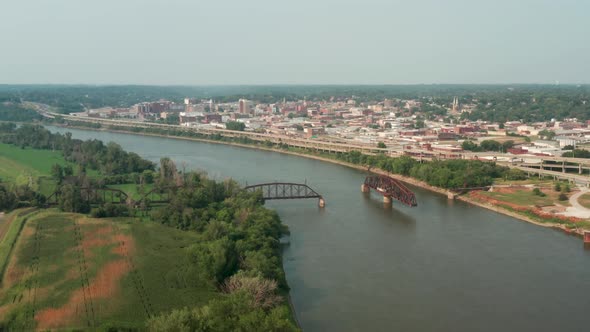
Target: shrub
point(562, 197)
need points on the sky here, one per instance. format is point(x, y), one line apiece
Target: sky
point(219, 42)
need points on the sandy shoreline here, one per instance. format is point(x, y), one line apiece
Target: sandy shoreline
point(402, 178)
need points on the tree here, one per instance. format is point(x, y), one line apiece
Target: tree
point(507, 145)
point(490, 145)
point(70, 199)
point(557, 187)
point(235, 125)
point(468, 145)
point(68, 170)
point(233, 312)
point(547, 134)
point(381, 145)
point(57, 173)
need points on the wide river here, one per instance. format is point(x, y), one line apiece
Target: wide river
point(359, 266)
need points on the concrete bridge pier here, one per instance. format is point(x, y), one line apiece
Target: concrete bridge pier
point(365, 188)
point(321, 202)
point(387, 200)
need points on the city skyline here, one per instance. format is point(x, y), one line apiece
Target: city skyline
point(309, 42)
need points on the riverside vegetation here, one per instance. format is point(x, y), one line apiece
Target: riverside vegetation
point(207, 260)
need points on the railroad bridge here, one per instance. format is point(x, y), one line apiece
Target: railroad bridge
point(390, 189)
point(286, 190)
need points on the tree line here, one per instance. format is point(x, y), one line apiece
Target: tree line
point(446, 174)
point(109, 159)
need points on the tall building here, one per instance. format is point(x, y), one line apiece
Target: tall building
point(244, 106)
point(455, 105)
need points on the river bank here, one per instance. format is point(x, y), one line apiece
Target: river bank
point(405, 179)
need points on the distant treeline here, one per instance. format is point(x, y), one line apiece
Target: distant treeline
point(494, 102)
point(14, 111)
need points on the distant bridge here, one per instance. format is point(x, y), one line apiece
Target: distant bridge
point(93, 196)
point(390, 189)
point(285, 190)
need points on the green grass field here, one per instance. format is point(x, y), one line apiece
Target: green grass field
point(31, 167)
point(131, 189)
point(23, 166)
point(68, 271)
point(528, 198)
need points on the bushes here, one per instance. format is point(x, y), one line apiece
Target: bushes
point(233, 312)
point(109, 210)
point(538, 192)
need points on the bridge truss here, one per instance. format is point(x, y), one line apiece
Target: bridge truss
point(283, 190)
point(391, 188)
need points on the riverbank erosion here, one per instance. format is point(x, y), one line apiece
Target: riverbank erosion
point(530, 215)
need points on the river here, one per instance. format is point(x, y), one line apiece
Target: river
point(359, 266)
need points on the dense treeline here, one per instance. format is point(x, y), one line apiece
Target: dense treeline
point(487, 145)
point(530, 104)
point(577, 153)
point(238, 252)
point(11, 111)
point(109, 159)
point(14, 197)
point(448, 174)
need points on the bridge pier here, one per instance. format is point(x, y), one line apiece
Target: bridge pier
point(387, 200)
point(321, 202)
point(365, 188)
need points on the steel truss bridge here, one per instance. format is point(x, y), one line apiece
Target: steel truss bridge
point(93, 196)
point(390, 189)
point(286, 190)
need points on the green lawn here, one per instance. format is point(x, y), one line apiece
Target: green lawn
point(125, 270)
point(132, 189)
point(31, 166)
point(23, 166)
point(526, 197)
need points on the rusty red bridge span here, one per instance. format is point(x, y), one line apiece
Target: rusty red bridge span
point(390, 189)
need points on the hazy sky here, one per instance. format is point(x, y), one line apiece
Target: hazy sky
point(296, 41)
